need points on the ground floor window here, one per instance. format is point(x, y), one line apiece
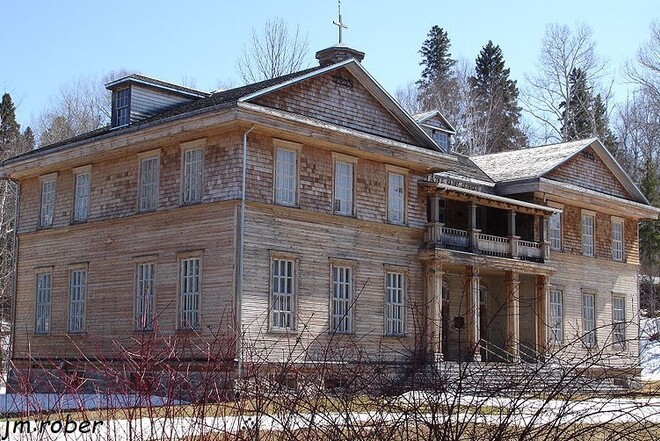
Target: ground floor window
point(619, 320)
point(42, 307)
point(394, 306)
point(589, 319)
point(282, 295)
point(556, 316)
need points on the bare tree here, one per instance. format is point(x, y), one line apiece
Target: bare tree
point(646, 72)
point(548, 95)
point(80, 106)
point(273, 52)
point(408, 97)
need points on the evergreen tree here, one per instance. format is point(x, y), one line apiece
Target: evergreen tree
point(10, 130)
point(649, 231)
point(29, 143)
point(437, 87)
point(495, 104)
point(577, 111)
point(601, 125)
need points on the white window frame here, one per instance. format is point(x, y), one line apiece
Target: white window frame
point(554, 227)
point(395, 298)
point(192, 171)
point(617, 239)
point(190, 293)
point(588, 234)
point(619, 321)
point(148, 187)
point(82, 178)
point(47, 202)
point(344, 185)
point(283, 293)
point(145, 278)
point(122, 107)
point(396, 197)
point(556, 317)
point(589, 319)
point(285, 171)
point(77, 299)
point(43, 298)
point(341, 299)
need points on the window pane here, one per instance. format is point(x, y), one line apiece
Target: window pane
point(285, 177)
point(617, 240)
point(189, 293)
point(556, 317)
point(589, 319)
point(144, 295)
point(555, 231)
point(192, 176)
point(81, 203)
point(47, 203)
point(77, 293)
point(342, 294)
point(42, 313)
point(394, 307)
point(343, 188)
point(619, 320)
point(148, 184)
point(588, 235)
point(282, 301)
point(395, 200)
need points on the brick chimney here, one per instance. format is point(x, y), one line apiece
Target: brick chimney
point(336, 54)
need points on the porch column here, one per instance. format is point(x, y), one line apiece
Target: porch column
point(542, 290)
point(472, 224)
point(513, 239)
point(435, 208)
point(473, 333)
point(512, 280)
point(433, 271)
point(545, 238)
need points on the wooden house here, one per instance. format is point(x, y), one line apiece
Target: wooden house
point(310, 211)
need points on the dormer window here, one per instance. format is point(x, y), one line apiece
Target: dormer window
point(442, 139)
point(122, 114)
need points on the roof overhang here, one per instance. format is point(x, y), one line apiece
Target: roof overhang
point(581, 196)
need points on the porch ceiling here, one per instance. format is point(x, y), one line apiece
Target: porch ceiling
point(486, 262)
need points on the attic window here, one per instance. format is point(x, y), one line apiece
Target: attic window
point(442, 139)
point(121, 107)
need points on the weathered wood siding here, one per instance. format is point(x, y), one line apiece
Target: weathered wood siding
point(339, 98)
point(315, 241)
point(111, 251)
point(587, 170)
point(146, 101)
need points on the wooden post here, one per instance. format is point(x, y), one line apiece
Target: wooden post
point(433, 271)
point(512, 280)
point(542, 290)
point(473, 332)
point(472, 224)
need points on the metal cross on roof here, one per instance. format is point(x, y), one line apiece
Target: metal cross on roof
point(339, 23)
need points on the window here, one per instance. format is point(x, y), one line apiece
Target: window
point(342, 296)
point(47, 202)
point(192, 175)
point(555, 231)
point(285, 176)
point(42, 307)
point(589, 319)
point(189, 293)
point(121, 106)
point(394, 307)
point(81, 197)
point(442, 139)
point(619, 321)
point(144, 296)
point(395, 198)
point(148, 196)
point(587, 234)
point(617, 239)
point(343, 188)
point(556, 317)
point(282, 295)
point(77, 294)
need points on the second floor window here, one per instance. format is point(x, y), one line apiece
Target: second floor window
point(395, 198)
point(555, 231)
point(47, 203)
point(192, 175)
point(343, 188)
point(81, 197)
point(587, 234)
point(148, 190)
point(77, 295)
point(394, 306)
point(617, 239)
point(342, 296)
point(285, 176)
point(556, 317)
point(144, 296)
point(189, 293)
point(42, 306)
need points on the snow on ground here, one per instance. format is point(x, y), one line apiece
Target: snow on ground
point(649, 351)
point(15, 403)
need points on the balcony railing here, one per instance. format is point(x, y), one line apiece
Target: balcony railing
point(475, 241)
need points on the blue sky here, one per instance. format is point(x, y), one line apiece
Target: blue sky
point(49, 43)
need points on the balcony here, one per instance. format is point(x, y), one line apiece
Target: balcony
point(438, 235)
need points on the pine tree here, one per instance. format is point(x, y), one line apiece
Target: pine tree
point(495, 104)
point(649, 231)
point(437, 87)
point(10, 130)
point(28, 140)
point(577, 111)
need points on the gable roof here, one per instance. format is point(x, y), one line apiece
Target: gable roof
point(423, 117)
point(534, 162)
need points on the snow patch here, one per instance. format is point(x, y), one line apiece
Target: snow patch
point(649, 350)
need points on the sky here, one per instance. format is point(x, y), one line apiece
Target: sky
point(47, 44)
